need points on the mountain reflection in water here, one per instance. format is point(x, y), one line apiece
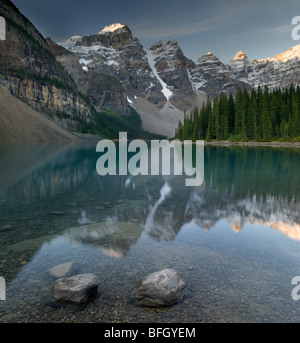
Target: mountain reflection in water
point(242, 185)
point(244, 218)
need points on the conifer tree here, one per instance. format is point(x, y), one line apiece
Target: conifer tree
point(231, 114)
point(238, 113)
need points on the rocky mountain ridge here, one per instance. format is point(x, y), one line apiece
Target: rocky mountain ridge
point(161, 82)
point(112, 70)
point(278, 71)
point(31, 73)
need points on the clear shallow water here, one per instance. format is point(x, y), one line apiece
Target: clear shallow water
point(235, 239)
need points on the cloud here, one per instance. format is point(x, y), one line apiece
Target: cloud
point(178, 31)
point(218, 18)
point(280, 29)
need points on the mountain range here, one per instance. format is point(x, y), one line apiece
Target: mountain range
point(110, 70)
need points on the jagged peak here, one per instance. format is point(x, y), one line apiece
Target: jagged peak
point(208, 57)
point(114, 28)
point(159, 44)
point(240, 56)
point(167, 49)
point(73, 39)
point(285, 56)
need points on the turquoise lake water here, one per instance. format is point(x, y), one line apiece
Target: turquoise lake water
point(235, 239)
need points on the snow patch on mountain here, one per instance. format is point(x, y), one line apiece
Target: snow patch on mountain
point(151, 60)
point(88, 55)
point(196, 80)
point(73, 39)
point(85, 62)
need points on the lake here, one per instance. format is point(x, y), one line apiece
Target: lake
point(235, 239)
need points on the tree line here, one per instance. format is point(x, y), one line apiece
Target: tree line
point(261, 115)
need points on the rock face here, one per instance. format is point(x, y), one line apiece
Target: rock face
point(160, 289)
point(48, 98)
point(77, 289)
point(29, 71)
point(212, 77)
point(19, 122)
point(102, 89)
point(171, 68)
point(116, 54)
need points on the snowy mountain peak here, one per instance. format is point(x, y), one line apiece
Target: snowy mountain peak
point(165, 47)
point(112, 28)
point(208, 57)
point(286, 55)
point(73, 39)
point(240, 56)
point(114, 70)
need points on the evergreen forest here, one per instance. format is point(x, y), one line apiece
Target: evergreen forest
point(261, 115)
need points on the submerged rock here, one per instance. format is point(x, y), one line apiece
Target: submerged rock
point(77, 289)
point(31, 244)
point(62, 270)
point(58, 213)
point(100, 208)
point(162, 288)
point(6, 228)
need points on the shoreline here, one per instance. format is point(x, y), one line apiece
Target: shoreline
point(84, 138)
point(256, 144)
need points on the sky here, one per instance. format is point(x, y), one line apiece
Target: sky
point(259, 28)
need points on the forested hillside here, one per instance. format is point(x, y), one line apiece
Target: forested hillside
point(261, 115)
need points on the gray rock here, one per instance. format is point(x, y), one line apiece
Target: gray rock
point(162, 288)
point(77, 289)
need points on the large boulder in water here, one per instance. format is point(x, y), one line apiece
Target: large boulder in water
point(77, 289)
point(162, 288)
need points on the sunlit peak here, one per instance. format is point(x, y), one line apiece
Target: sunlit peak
point(112, 27)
